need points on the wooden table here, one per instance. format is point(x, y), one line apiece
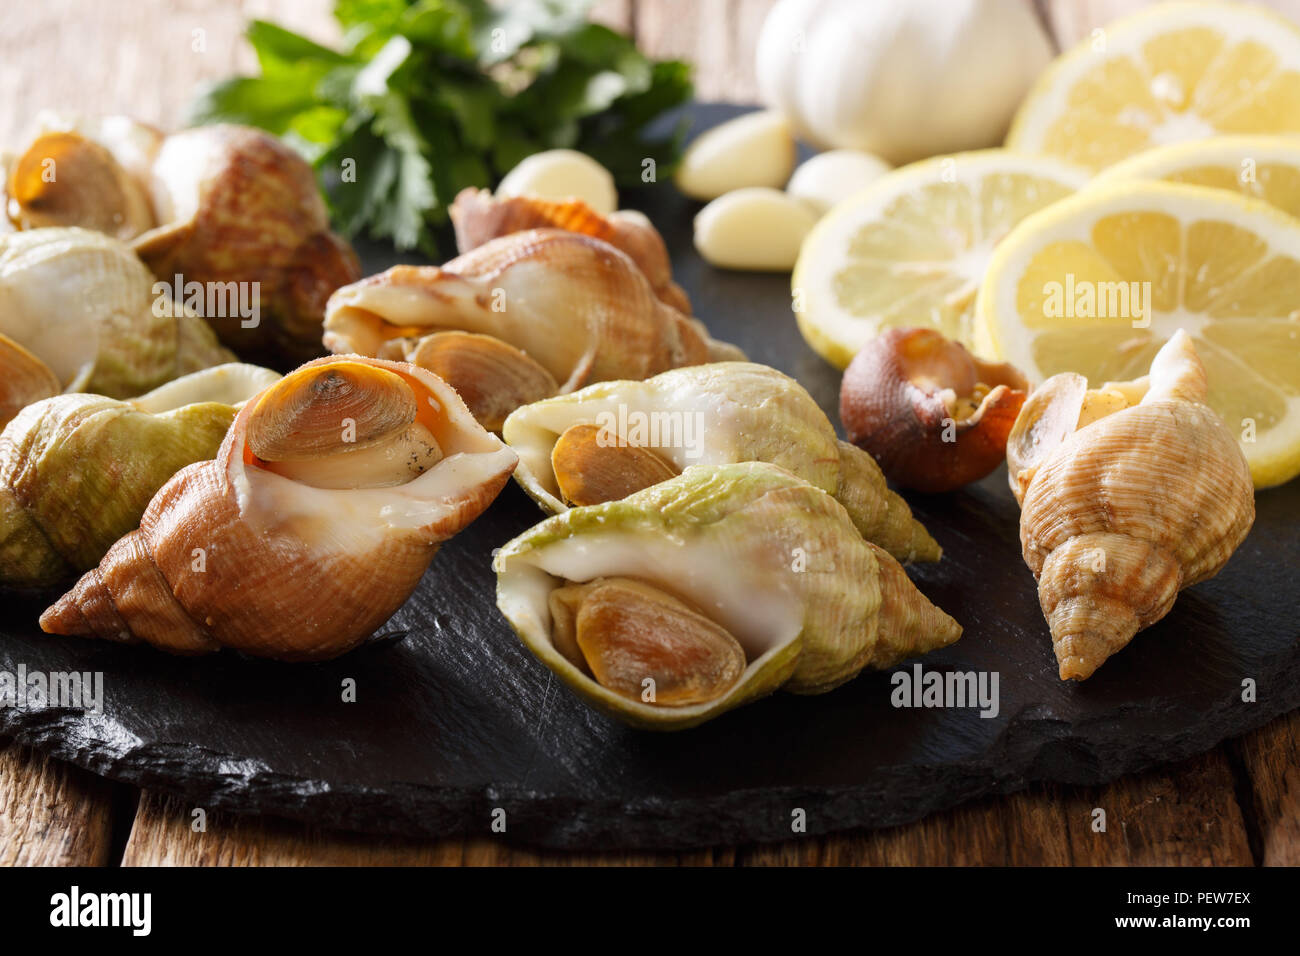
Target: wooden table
point(1238, 804)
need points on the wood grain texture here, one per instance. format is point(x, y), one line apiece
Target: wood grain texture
point(141, 58)
point(51, 813)
point(1270, 761)
point(718, 36)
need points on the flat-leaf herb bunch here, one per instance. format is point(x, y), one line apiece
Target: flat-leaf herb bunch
point(426, 97)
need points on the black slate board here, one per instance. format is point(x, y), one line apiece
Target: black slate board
point(455, 718)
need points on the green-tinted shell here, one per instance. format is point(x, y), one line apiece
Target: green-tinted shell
point(86, 305)
point(775, 560)
point(715, 414)
point(76, 471)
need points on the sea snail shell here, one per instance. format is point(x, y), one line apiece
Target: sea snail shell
point(303, 555)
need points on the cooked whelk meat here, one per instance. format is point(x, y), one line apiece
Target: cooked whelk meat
point(24, 379)
point(1129, 493)
point(574, 305)
point(299, 555)
point(644, 644)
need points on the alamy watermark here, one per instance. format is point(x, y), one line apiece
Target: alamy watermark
point(1086, 299)
point(25, 689)
point(669, 429)
point(946, 689)
point(212, 300)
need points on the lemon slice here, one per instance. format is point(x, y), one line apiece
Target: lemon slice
point(1174, 72)
point(910, 249)
point(1261, 167)
point(1098, 282)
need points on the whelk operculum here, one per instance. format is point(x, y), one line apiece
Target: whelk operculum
point(708, 590)
point(493, 377)
point(643, 643)
point(1129, 493)
point(24, 379)
point(324, 506)
point(65, 178)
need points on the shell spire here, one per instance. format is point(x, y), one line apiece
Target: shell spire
point(1130, 493)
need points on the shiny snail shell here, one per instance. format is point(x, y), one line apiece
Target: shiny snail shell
point(303, 553)
point(1129, 493)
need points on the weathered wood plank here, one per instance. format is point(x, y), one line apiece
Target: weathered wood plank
point(719, 37)
point(51, 813)
point(164, 835)
point(1271, 758)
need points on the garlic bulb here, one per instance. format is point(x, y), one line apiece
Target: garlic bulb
point(901, 80)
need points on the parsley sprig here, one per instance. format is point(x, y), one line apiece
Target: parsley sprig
point(426, 97)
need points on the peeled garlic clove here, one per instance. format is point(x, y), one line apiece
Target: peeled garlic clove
point(317, 411)
point(830, 177)
point(66, 179)
point(756, 229)
point(493, 377)
point(932, 415)
point(644, 644)
point(562, 174)
point(756, 149)
point(24, 379)
point(592, 465)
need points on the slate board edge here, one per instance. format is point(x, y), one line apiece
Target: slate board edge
point(545, 821)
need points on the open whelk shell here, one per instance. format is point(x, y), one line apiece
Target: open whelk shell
point(231, 553)
point(77, 470)
point(1129, 493)
point(24, 379)
point(235, 204)
point(480, 217)
point(577, 306)
point(710, 414)
point(86, 306)
point(762, 557)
